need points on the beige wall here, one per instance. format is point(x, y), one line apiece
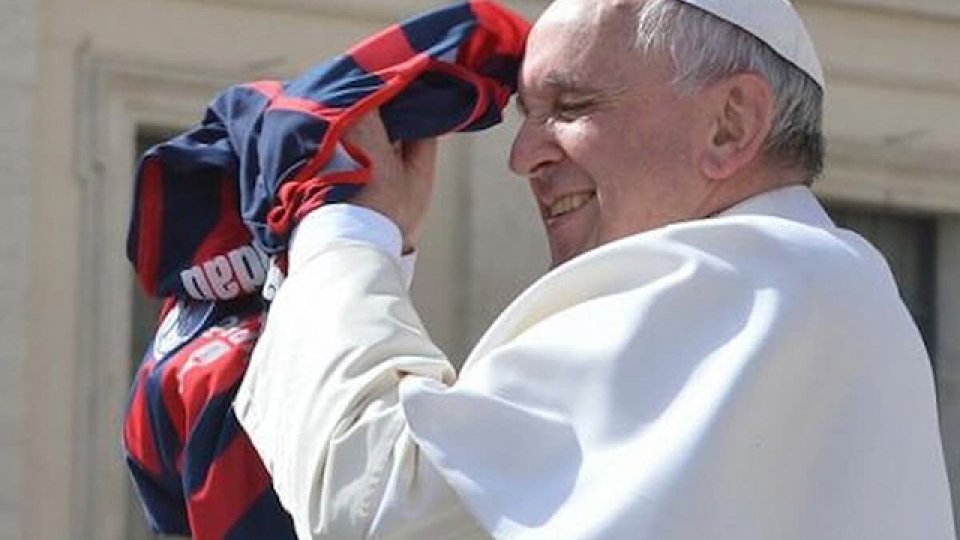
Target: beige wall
point(104, 66)
point(18, 72)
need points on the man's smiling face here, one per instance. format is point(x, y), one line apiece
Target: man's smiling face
point(607, 144)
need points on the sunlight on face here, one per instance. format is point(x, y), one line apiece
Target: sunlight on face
point(605, 141)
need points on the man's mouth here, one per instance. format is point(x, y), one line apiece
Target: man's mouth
point(569, 203)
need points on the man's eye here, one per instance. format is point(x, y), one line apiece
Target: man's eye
point(568, 111)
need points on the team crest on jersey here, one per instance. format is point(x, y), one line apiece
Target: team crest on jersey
point(181, 324)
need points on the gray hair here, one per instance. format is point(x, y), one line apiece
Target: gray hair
point(705, 49)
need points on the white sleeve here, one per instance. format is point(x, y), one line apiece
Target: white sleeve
point(335, 222)
point(320, 400)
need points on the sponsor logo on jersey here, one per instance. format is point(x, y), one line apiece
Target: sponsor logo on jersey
point(225, 277)
point(232, 339)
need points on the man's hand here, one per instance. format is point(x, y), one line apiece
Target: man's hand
point(402, 179)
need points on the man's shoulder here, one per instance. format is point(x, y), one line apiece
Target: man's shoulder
point(811, 266)
point(807, 267)
point(764, 243)
point(757, 251)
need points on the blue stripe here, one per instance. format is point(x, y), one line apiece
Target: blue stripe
point(454, 97)
point(165, 436)
point(163, 505)
point(444, 30)
point(265, 519)
point(338, 83)
point(216, 428)
point(192, 181)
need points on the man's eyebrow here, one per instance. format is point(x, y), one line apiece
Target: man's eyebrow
point(558, 83)
point(563, 82)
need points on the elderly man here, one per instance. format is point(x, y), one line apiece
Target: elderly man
point(710, 357)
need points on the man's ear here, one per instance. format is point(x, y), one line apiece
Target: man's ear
point(740, 114)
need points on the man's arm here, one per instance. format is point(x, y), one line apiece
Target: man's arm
point(321, 396)
point(320, 399)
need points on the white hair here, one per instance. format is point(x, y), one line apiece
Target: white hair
point(706, 49)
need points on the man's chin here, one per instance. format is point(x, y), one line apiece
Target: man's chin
point(562, 254)
point(572, 235)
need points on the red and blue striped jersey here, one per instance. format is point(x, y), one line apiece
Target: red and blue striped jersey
point(196, 472)
point(210, 207)
point(266, 153)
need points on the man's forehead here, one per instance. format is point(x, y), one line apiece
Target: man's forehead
point(572, 48)
point(564, 11)
point(568, 77)
point(560, 71)
point(586, 12)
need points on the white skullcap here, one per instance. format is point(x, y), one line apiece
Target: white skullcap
point(773, 22)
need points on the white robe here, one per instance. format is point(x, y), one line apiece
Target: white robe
point(753, 376)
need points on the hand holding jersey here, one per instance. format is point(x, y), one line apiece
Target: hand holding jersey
point(401, 180)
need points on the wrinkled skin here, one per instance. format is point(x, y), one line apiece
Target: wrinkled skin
point(603, 122)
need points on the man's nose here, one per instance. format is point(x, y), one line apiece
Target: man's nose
point(533, 148)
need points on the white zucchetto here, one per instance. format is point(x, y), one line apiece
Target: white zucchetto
point(776, 23)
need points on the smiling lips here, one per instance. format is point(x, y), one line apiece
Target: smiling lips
point(568, 203)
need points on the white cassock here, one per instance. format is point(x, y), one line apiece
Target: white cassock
point(753, 376)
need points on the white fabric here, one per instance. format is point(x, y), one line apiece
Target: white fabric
point(342, 221)
point(753, 376)
point(346, 221)
point(776, 23)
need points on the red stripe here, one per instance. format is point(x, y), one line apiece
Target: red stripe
point(500, 32)
point(306, 106)
point(200, 382)
point(270, 89)
point(150, 234)
point(383, 50)
point(137, 432)
point(312, 203)
point(291, 204)
point(235, 481)
point(173, 403)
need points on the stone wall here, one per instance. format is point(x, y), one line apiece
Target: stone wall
point(17, 80)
